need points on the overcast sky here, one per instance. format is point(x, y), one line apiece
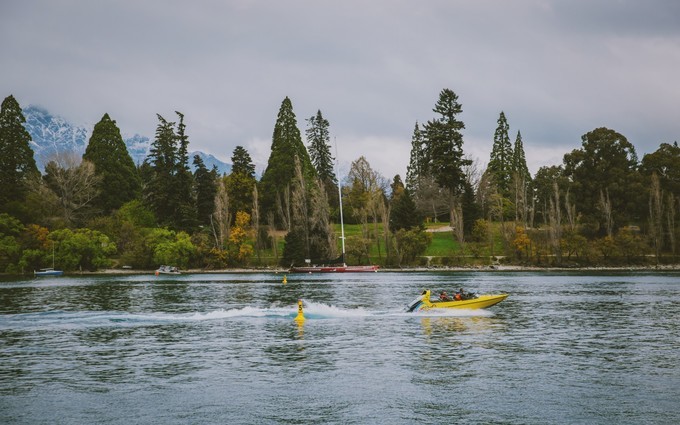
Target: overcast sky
point(558, 69)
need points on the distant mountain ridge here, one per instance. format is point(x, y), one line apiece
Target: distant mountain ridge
point(54, 135)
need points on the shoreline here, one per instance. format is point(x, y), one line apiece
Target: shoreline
point(496, 268)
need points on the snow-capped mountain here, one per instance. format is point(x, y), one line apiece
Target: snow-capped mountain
point(54, 135)
point(138, 147)
point(209, 161)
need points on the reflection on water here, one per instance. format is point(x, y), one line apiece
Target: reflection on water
point(563, 348)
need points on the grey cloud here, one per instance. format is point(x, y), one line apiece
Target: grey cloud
point(557, 68)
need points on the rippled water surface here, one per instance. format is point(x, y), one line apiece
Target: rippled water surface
point(563, 348)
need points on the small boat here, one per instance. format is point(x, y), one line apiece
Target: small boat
point(48, 272)
point(424, 303)
point(340, 268)
point(167, 270)
point(338, 265)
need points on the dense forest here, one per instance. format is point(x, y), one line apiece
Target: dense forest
point(601, 206)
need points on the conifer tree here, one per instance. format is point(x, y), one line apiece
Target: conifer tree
point(416, 169)
point(161, 165)
point(185, 215)
point(119, 180)
point(286, 146)
point(501, 161)
point(444, 144)
point(404, 213)
point(205, 188)
point(169, 188)
point(17, 165)
point(318, 138)
point(319, 148)
point(239, 184)
point(521, 181)
point(242, 163)
point(519, 160)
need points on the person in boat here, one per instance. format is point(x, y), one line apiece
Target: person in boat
point(460, 295)
point(444, 296)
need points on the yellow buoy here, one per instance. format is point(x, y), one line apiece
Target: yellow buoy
point(300, 316)
point(285, 280)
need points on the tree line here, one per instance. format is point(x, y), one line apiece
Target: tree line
point(100, 209)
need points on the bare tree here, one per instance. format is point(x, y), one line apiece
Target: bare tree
point(606, 209)
point(75, 183)
point(670, 219)
point(256, 223)
point(299, 207)
point(457, 222)
point(555, 221)
point(430, 199)
point(283, 207)
point(271, 223)
point(385, 210)
point(655, 215)
point(571, 211)
point(322, 234)
point(221, 217)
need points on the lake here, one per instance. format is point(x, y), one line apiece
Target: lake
point(563, 348)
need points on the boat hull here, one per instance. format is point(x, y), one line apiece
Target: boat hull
point(167, 270)
point(482, 301)
point(334, 269)
point(48, 273)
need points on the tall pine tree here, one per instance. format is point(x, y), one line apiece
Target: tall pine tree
point(239, 184)
point(501, 161)
point(404, 213)
point(205, 188)
point(119, 180)
point(185, 215)
point(519, 160)
point(241, 162)
point(17, 165)
point(170, 181)
point(318, 138)
point(417, 167)
point(444, 144)
point(286, 146)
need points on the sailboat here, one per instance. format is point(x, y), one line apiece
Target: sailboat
point(338, 265)
point(49, 271)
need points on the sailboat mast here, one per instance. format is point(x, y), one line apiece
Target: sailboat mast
point(342, 223)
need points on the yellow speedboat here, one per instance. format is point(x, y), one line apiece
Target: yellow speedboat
point(482, 301)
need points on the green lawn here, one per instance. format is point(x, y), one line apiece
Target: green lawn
point(444, 245)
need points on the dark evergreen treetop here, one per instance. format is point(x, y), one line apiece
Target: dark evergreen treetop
point(444, 144)
point(404, 213)
point(241, 181)
point(169, 191)
point(242, 163)
point(318, 138)
point(205, 189)
point(605, 165)
point(286, 146)
point(185, 214)
point(519, 160)
point(416, 168)
point(665, 162)
point(17, 165)
point(120, 181)
point(500, 163)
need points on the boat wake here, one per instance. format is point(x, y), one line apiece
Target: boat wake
point(312, 311)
